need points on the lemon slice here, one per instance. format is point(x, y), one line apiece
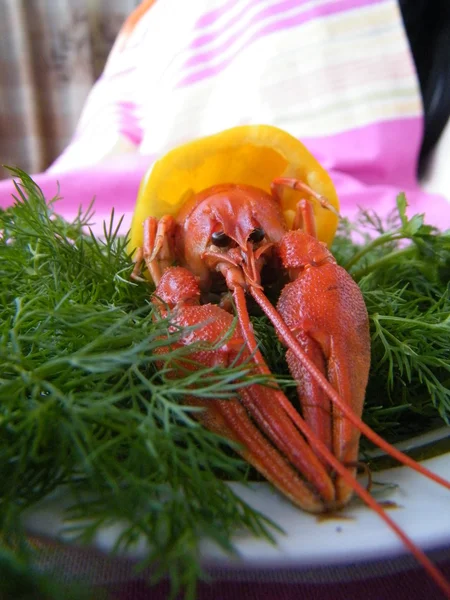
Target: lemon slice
point(253, 155)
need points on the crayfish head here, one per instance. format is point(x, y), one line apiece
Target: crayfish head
point(237, 226)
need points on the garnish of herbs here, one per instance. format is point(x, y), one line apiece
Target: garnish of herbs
point(84, 407)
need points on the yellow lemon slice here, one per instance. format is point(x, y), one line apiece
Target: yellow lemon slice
point(253, 155)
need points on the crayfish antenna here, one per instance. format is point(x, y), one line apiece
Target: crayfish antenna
point(365, 496)
point(291, 342)
point(318, 445)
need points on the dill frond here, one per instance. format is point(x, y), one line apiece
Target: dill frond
point(86, 403)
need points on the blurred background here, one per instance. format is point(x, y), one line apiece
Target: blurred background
point(52, 51)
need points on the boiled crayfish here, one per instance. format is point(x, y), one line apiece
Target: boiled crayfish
point(230, 238)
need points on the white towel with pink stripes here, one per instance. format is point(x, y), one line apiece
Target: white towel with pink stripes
point(337, 74)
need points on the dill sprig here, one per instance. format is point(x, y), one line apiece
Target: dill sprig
point(87, 403)
point(404, 272)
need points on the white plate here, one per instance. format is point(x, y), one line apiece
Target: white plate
point(357, 534)
point(423, 512)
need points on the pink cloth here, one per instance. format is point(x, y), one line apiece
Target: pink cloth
point(369, 167)
point(337, 74)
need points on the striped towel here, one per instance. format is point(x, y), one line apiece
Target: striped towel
point(337, 74)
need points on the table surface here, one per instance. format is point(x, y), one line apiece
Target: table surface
point(398, 578)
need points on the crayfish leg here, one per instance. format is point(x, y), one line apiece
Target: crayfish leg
point(157, 248)
point(304, 217)
point(277, 448)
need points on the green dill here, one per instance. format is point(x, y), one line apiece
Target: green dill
point(404, 273)
point(87, 402)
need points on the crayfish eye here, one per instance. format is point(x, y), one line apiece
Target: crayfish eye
point(220, 239)
point(257, 235)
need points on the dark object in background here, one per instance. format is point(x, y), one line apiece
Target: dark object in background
point(427, 24)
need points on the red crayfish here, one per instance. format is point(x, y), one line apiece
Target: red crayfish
point(227, 239)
